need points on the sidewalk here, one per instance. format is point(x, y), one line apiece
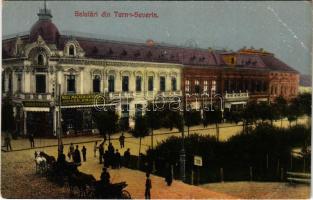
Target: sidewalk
point(226, 131)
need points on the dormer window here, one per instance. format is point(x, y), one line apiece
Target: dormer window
point(40, 60)
point(71, 50)
point(232, 60)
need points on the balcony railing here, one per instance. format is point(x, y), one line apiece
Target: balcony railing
point(147, 94)
point(236, 95)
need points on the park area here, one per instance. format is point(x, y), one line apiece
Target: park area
point(19, 178)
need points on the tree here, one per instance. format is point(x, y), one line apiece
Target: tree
point(281, 105)
point(192, 118)
point(249, 115)
point(153, 120)
point(123, 124)
point(106, 122)
point(305, 103)
point(141, 130)
point(213, 117)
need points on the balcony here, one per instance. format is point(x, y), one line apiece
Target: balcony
point(147, 95)
point(34, 96)
point(235, 96)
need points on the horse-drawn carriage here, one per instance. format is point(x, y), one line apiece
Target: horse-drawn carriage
point(80, 184)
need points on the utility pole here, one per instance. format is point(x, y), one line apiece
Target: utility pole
point(182, 156)
point(59, 127)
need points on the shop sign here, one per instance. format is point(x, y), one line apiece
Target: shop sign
point(36, 104)
point(81, 99)
point(198, 161)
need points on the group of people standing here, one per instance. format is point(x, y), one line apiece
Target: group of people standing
point(111, 156)
point(75, 154)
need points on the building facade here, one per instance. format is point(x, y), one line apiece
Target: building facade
point(85, 71)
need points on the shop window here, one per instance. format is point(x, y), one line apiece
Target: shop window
point(138, 83)
point(138, 108)
point(111, 83)
point(71, 83)
point(162, 84)
point(125, 110)
point(150, 83)
point(174, 84)
point(40, 83)
point(96, 84)
point(125, 83)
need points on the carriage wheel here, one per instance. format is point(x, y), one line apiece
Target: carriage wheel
point(126, 194)
point(74, 191)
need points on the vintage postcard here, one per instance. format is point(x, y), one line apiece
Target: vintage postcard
point(156, 99)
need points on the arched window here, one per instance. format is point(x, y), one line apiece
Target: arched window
point(96, 84)
point(40, 59)
point(71, 50)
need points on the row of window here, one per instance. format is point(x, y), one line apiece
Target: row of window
point(71, 86)
point(197, 88)
point(237, 85)
point(125, 83)
point(284, 90)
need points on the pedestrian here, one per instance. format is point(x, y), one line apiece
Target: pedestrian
point(126, 157)
point(106, 159)
point(84, 151)
point(148, 186)
point(95, 147)
point(31, 140)
point(105, 177)
point(60, 148)
point(76, 157)
point(111, 155)
point(117, 159)
point(169, 176)
point(7, 141)
point(122, 140)
point(101, 152)
point(70, 151)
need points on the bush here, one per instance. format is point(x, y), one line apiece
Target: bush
point(266, 149)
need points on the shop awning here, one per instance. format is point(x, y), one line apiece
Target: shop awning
point(36, 109)
point(87, 106)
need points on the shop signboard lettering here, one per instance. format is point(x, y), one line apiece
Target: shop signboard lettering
point(36, 104)
point(81, 99)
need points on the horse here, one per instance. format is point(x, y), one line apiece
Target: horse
point(41, 163)
point(82, 181)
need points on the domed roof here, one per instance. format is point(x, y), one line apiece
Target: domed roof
point(44, 27)
point(48, 31)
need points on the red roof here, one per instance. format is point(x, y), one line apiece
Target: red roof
point(106, 49)
point(48, 31)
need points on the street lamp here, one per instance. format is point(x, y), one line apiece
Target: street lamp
point(182, 156)
point(59, 120)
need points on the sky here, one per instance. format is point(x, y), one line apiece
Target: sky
point(283, 28)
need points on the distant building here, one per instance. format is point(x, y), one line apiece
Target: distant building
point(124, 75)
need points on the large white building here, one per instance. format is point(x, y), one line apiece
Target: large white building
point(36, 63)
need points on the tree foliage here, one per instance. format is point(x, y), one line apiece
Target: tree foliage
point(106, 122)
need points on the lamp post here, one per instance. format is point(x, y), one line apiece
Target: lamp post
point(182, 156)
point(59, 118)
